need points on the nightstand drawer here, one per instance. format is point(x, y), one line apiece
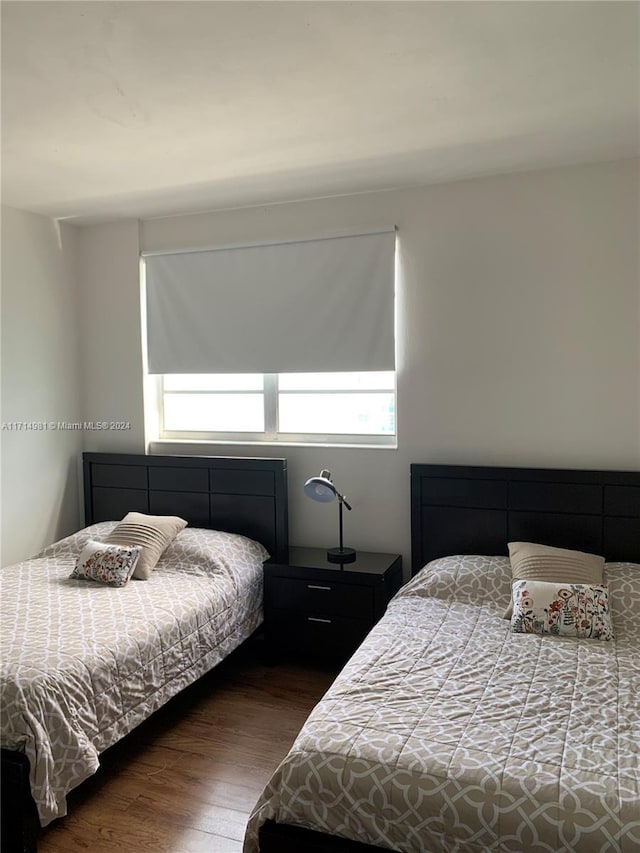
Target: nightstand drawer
point(319, 635)
point(323, 598)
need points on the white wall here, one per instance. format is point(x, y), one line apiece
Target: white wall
point(518, 332)
point(40, 383)
point(111, 363)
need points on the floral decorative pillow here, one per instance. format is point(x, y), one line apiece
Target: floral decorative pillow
point(106, 563)
point(565, 609)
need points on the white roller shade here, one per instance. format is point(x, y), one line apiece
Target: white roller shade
point(313, 306)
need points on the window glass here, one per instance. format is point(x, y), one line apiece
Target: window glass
point(213, 382)
point(294, 406)
point(213, 412)
point(348, 414)
point(372, 381)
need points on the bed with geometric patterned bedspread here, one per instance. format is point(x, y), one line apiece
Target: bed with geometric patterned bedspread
point(446, 731)
point(84, 663)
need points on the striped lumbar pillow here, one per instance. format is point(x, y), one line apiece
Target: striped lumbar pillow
point(153, 533)
point(533, 562)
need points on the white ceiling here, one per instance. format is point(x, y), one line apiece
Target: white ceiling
point(149, 108)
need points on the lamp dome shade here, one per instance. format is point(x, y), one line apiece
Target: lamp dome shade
point(320, 488)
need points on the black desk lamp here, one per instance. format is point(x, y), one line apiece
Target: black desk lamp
point(322, 489)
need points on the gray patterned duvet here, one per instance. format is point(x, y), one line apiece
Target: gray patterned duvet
point(447, 732)
point(84, 663)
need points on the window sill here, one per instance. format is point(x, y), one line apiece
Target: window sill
point(162, 445)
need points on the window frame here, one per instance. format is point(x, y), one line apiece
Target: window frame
point(271, 434)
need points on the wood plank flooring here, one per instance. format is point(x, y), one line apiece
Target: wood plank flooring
point(187, 779)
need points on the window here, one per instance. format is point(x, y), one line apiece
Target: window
point(349, 408)
point(318, 315)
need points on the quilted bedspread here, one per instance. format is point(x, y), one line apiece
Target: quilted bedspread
point(448, 732)
point(84, 663)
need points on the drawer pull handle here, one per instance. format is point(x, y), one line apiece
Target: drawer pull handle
point(315, 586)
point(315, 619)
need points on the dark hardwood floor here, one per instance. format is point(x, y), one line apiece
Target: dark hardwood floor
point(187, 779)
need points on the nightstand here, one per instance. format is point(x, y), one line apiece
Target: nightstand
point(320, 610)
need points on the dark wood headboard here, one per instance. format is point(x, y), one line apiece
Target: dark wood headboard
point(237, 495)
point(474, 510)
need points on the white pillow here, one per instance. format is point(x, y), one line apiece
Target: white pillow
point(153, 533)
point(545, 563)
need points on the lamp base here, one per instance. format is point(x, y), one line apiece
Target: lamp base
point(341, 555)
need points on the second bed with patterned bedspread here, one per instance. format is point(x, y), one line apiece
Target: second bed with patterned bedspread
point(447, 731)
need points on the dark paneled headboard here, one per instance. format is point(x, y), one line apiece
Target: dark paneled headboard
point(238, 495)
point(473, 510)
